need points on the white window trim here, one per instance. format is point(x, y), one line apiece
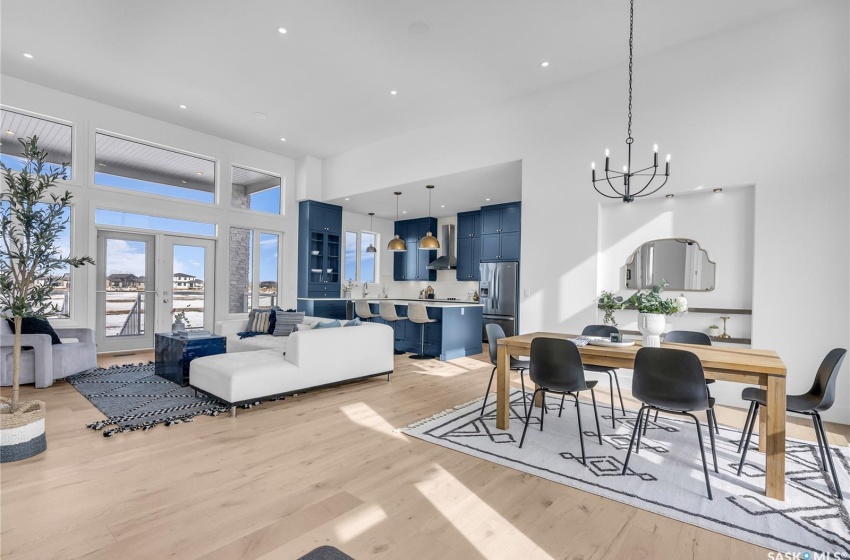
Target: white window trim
point(359, 253)
point(257, 212)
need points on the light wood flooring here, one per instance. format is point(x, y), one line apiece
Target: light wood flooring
point(319, 468)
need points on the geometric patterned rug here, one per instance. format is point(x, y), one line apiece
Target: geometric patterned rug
point(133, 398)
point(666, 477)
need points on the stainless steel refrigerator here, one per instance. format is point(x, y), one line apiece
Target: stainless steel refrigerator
point(498, 291)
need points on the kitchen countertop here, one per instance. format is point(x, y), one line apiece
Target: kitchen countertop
point(404, 301)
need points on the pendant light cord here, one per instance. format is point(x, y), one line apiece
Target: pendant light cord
point(629, 140)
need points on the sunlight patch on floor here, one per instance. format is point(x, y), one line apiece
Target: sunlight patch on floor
point(357, 522)
point(485, 529)
point(362, 414)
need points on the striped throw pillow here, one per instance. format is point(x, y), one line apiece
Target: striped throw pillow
point(286, 321)
point(258, 320)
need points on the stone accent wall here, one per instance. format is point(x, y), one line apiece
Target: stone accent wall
point(240, 253)
point(239, 198)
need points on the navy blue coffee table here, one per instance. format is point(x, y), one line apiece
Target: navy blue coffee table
point(174, 354)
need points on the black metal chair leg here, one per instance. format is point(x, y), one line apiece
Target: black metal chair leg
point(820, 443)
point(542, 407)
point(656, 417)
point(619, 393)
point(562, 404)
point(632, 440)
point(646, 422)
point(829, 457)
point(749, 435)
point(641, 429)
point(527, 418)
point(596, 414)
point(580, 433)
point(712, 422)
point(522, 383)
point(487, 393)
point(702, 453)
point(746, 423)
point(611, 388)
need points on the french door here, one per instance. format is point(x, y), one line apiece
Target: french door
point(144, 280)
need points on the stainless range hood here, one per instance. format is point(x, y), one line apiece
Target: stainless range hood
point(447, 243)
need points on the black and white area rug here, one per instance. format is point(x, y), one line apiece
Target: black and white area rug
point(666, 477)
point(133, 398)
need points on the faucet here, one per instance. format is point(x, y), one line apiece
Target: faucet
point(365, 289)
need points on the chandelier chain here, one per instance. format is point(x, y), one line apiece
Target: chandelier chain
point(631, 48)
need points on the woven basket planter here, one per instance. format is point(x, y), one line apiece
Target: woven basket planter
point(22, 433)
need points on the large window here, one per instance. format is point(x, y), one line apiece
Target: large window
point(254, 270)
point(131, 165)
point(156, 223)
point(360, 264)
point(53, 137)
point(254, 190)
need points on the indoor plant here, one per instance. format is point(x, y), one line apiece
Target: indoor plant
point(652, 310)
point(180, 321)
point(609, 303)
point(31, 219)
point(713, 330)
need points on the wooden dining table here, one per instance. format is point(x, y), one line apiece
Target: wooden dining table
point(739, 365)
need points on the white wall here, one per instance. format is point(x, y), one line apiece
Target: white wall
point(88, 116)
point(766, 104)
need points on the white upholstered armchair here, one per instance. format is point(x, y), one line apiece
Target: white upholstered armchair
point(46, 361)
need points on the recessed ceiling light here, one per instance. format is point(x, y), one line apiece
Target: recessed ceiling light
point(487, 199)
point(184, 182)
point(281, 30)
point(283, 139)
point(442, 205)
point(183, 106)
point(393, 92)
point(347, 198)
point(10, 132)
point(668, 196)
point(27, 55)
point(199, 172)
point(404, 211)
point(718, 190)
point(101, 164)
point(544, 64)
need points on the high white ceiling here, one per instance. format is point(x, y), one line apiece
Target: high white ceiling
point(458, 192)
point(324, 85)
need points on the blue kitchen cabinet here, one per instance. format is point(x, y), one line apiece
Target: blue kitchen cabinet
point(500, 227)
point(319, 249)
point(468, 246)
point(412, 265)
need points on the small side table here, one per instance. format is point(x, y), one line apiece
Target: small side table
point(174, 354)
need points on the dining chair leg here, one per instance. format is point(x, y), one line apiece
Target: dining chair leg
point(596, 415)
point(580, 433)
point(611, 388)
point(749, 435)
point(562, 404)
point(656, 417)
point(522, 383)
point(702, 453)
point(646, 422)
point(542, 407)
point(746, 423)
point(632, 440)
point(820, 444)
point(619, 393)
point(642, 429)
point(712, 422)
point(829, 457)
point(487, 393)
point(527, 418)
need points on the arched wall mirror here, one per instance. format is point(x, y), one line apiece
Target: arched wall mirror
point(681, 262)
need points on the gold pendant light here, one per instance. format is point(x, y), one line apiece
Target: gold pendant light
point(429, 242)
point(371, 247)
point(396, 244)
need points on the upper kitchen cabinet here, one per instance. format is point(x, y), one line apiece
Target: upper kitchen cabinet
point(412, 265)
point(319, 250)
point(500, 232)
point(468, 246)
point(501, 218)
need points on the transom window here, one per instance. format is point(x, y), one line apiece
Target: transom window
point(136, 166)
point(254, 190)
point(53, 137)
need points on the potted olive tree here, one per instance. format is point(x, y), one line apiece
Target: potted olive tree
point(31, 218)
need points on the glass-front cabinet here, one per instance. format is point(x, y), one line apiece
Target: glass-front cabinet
point(319, 250)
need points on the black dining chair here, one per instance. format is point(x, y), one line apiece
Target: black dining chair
point(556, 367)
point(654, 370)
point(691, 337)
point(818, 399)
point(606, 331)
point(494, 333)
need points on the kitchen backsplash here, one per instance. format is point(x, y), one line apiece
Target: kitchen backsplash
point(446, 286)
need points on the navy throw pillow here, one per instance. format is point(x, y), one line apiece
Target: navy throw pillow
point(272, 320)
point(36, 325)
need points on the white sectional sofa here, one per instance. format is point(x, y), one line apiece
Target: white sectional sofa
point(314, 358)
point(231, 327)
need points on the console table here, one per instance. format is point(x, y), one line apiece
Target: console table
point(175, 353)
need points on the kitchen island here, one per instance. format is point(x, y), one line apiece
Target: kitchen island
point(455, 334)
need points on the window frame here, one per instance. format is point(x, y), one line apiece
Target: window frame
point(282, 187)
point(256, 234)
point(73, 164)
point(358, 256)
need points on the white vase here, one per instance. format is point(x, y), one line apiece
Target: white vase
point(714, 333)
point(651, 325)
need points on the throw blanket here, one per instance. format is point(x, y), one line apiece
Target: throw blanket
point(249, 334)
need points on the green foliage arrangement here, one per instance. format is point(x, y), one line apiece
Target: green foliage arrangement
point(609, 303)
point(652, 302)
point(31, 219)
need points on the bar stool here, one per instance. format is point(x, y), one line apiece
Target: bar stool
point(388, 314)
point(418, 313)
point(363, 310)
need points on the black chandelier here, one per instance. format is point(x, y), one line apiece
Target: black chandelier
point(628, 194)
